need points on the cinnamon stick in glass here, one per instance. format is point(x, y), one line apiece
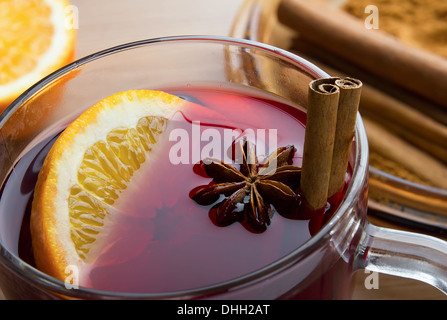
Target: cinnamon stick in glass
point(348, 105)
point(323, 100)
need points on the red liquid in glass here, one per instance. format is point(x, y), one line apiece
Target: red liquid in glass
point(162, 241)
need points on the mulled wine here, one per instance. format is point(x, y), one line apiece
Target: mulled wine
point(163, 240)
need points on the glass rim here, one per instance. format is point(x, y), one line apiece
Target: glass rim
point(358, 179)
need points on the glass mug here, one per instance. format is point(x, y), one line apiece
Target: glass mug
point(321, 268)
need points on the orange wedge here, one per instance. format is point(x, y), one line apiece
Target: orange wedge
point(36, 38)
point(92, 162)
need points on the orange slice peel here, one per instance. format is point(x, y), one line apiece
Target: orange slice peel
point(90, 164)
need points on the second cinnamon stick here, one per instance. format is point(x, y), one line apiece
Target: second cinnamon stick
point(350, 90)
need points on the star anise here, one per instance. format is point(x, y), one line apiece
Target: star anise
point(255, 191)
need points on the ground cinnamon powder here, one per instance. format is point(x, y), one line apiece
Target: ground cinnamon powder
point(420, 23)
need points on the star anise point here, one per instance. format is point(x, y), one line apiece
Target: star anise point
point(261, 189)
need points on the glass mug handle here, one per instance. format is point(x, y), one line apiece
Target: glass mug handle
point(404, 254)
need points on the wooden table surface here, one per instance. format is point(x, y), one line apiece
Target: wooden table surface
point(105, 23)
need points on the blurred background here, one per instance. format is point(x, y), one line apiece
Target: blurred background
point(406, 120)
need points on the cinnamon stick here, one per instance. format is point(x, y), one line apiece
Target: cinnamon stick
point(410, 158)
point(350, 90)
point(323, 101)
point(422, 132)
point(379, 53)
